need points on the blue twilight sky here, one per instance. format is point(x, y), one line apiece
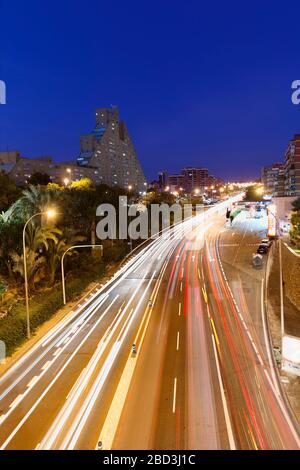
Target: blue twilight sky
point(198, 83)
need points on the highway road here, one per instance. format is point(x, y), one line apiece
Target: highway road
point(200, 378)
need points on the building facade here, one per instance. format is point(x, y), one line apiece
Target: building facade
point(272, 177)
point(109, 149)
point(189, 179)
point(292, 167)
point(60, 173)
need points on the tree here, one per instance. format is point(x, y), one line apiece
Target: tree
point(39, 237)
point(38, 178)
point(83, 184)
point(34, 264)
point(34, 199)
point(10, 238)
point(253, 194)
point(296, 204)
point(56, 251)
point(295, 220)
point(8, 191)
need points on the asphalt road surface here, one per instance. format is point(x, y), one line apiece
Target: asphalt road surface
point(200, 377)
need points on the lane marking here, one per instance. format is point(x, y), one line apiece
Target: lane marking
point(179, 309)
point(224, 401)
point(33, 381)
point(174, 395)
point(54, 380)
point(177, 344)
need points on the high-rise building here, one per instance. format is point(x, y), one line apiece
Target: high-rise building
point(195, 178)
point(176, 182)
point(110, 149)
point(162, 180)
point(189, 179)
point(271, 177)
point(292, 167)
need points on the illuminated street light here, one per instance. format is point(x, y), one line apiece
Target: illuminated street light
point(197, 191)
point(167, 188)
point(130, 187)
point(66, 181)
point(50, 213)
point(259, 191)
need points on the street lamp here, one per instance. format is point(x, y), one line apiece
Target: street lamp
point(50, 213)
point(62, 266)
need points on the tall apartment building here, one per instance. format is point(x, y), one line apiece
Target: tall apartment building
point(195, 178)
point(292, 167)
point(189, 179)
point(109, 149)
point(271, 177)
point(176, 182)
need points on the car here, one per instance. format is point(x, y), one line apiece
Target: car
point(257, 260)
point(262, 249)
point(266, 241)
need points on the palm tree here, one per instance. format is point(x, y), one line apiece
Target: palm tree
point(6, 216)
point(56, 251)
point(38, 237)
point(34, 199)
point(34, 262)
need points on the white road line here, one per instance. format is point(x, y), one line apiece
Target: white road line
point(33, 381)
point(174, 395)
point(56, 377)
point(177, 344)
point(181, 286)
point(179, 309)
point(224, 402)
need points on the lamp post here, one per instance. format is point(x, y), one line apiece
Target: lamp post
point(62, 265)
point(50, 213)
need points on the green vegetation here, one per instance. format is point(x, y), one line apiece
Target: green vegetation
point(39, 178)
point(295, 220)
point(8, 191)
point(254, 193)
point(46, 241)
